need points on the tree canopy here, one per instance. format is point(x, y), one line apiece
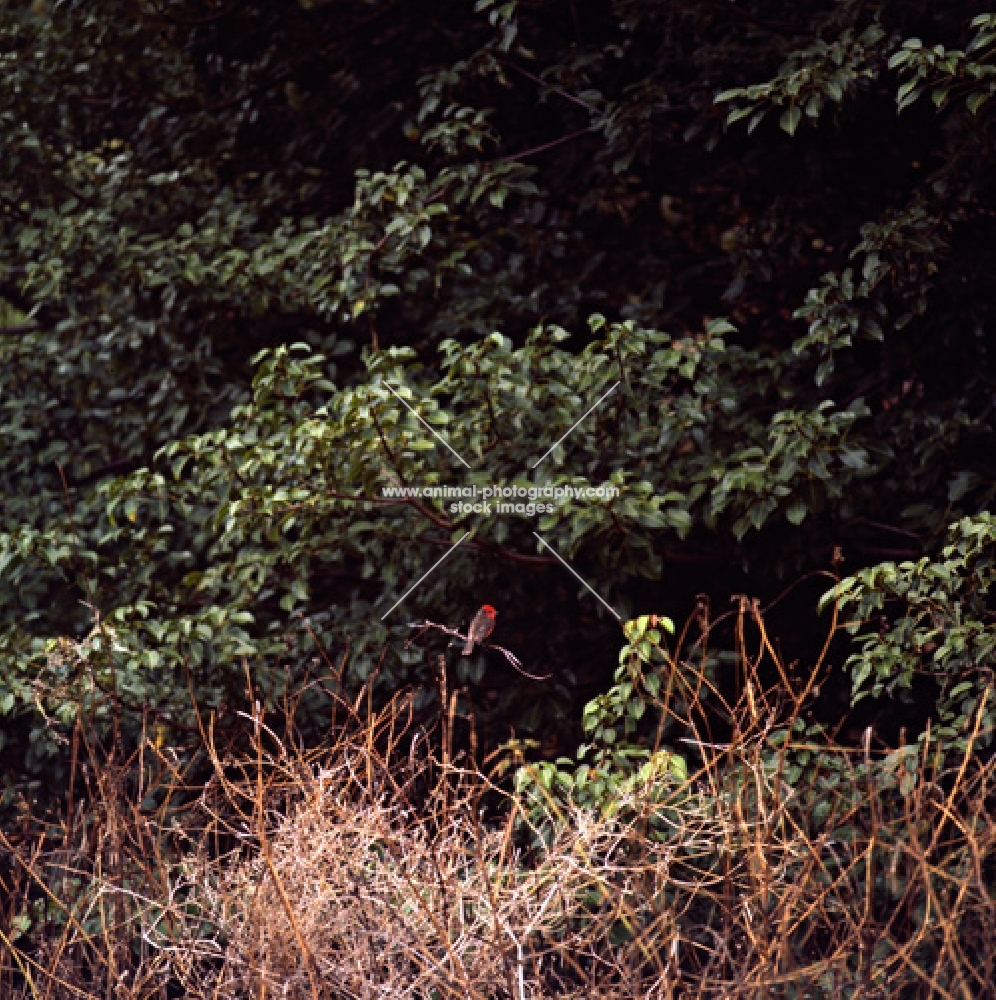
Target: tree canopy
point(258, 261)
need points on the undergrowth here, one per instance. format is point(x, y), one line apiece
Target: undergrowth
point(393, 862)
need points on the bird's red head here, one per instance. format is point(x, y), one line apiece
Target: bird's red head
point(489, 611)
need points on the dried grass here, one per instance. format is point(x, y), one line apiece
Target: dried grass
point(386, 866)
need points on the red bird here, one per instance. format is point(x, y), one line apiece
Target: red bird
point(480, 628)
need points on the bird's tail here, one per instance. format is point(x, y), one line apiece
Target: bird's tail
point(468, 646)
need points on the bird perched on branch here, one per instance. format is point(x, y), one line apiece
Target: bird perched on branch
point(480, 628)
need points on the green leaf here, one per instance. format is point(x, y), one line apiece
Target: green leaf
point(796, 512)
point(790, 118)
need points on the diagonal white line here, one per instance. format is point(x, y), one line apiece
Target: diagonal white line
point(571, 429)
point(568, 566)
point(429, 428)
point(424, 575)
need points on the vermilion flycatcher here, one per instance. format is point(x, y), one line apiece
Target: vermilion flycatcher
point(480, 628)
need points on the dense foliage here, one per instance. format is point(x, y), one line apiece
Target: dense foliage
point(251, 254)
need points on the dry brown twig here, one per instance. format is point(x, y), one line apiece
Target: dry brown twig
point(426, 626)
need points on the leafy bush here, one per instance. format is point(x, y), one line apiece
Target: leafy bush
point(189, 194)
point(938, 623)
